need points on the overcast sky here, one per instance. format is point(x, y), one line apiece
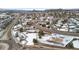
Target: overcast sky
point(39, 4)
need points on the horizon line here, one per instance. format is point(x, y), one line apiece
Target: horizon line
point(36, 8)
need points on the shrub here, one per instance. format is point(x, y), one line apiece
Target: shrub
point(35, 41)
point(43, 25)
point(21, 29)
point(41, 33)
point(48, 23)
point(39, 36)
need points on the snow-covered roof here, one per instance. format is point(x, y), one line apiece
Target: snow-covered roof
point(63, 29)
point(76, 43)
point(72, 26)
point(22, 35)
point(23, 42)
point(32, 31)
point(18, 26)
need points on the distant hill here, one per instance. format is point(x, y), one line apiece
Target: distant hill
point(25, 11)
point(62, 10)
point(18, 11)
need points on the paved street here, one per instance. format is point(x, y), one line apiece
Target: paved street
point(7, 33)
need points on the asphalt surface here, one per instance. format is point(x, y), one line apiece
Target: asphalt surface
point(7, 33)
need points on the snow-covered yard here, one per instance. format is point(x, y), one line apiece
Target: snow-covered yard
point(30, 37)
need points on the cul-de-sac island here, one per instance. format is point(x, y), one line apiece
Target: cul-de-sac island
point(49, 29)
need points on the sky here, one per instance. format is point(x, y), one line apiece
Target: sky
point(39, 4)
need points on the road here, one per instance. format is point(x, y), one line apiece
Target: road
point(7, 34)
point(6, 38)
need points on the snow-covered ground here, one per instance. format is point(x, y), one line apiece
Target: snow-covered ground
point(66, 39)
point(30, 37)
